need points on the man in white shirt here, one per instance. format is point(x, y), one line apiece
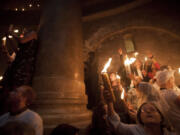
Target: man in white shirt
point(18, 102)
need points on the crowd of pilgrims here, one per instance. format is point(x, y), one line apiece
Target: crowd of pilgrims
point(147, 100)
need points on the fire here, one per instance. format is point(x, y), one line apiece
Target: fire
point(145, 58)
point(122, 94)
point(4, 38)
point(16, 31)
point(136, 54)
point(129, 61)
point(132, 60)
point(118, 77)
point(107, 65)
point(10, 36)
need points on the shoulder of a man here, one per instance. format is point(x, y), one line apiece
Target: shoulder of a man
point(35, 120)
point(29, 114)
point(4, 118)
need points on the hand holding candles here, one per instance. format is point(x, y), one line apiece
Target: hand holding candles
point(128, 63)
point(106, 80)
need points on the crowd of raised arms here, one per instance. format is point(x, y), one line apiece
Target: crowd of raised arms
point(143, 100)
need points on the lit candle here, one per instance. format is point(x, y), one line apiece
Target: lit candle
point(16, 31)
point(1, 77)
point(122, 94)
point(118, 77)
point(145, 59)
point(4, 41)
point(127, 65)
point(132, 60)
point(10, 36)
point(136, 54)
point(106, 80)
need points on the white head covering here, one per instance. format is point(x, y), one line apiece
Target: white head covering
point(147, 93)
point(163, 76)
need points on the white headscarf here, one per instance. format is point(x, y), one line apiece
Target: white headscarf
point(163, 76)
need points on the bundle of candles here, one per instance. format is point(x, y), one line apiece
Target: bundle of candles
point(127, 63)
point(106, 79)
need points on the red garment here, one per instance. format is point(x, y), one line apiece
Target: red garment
point(157, 66)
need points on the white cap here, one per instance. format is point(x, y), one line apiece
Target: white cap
point(163, 76)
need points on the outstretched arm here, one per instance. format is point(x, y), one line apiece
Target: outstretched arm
point(113, 117)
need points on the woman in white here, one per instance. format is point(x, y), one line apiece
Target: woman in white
point(150, 118)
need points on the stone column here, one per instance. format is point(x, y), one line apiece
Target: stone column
point(59, 77)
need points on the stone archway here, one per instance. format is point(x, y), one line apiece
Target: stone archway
point(163, 43)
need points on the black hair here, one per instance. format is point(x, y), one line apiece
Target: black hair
point(64, 129)
point(29, 93)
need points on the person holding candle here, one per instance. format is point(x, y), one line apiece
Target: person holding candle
point(142, 93)
point(19, 71)
point(150, 120)
point(125, 80)
point(137, 69)
point(119, 104)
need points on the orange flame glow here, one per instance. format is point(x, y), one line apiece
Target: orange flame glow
point(145, 58)
point(136, 54)
point(122, 94)
point(106, 65)
point(129, 61)
point(118, 77)
point(4, 38)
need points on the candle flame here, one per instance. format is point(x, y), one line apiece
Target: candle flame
point(4, 38)
point(136, 54)
point(107, 65)
point(1, 77)
point(118, 77)
point(10, 36)
point(145, 58)
point(132, 60)
point(16, 31)
point(122, 94)
point(129, 61)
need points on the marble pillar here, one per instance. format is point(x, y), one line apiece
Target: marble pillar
point(59, 76)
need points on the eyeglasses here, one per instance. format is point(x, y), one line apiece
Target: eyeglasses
point(152, 110)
